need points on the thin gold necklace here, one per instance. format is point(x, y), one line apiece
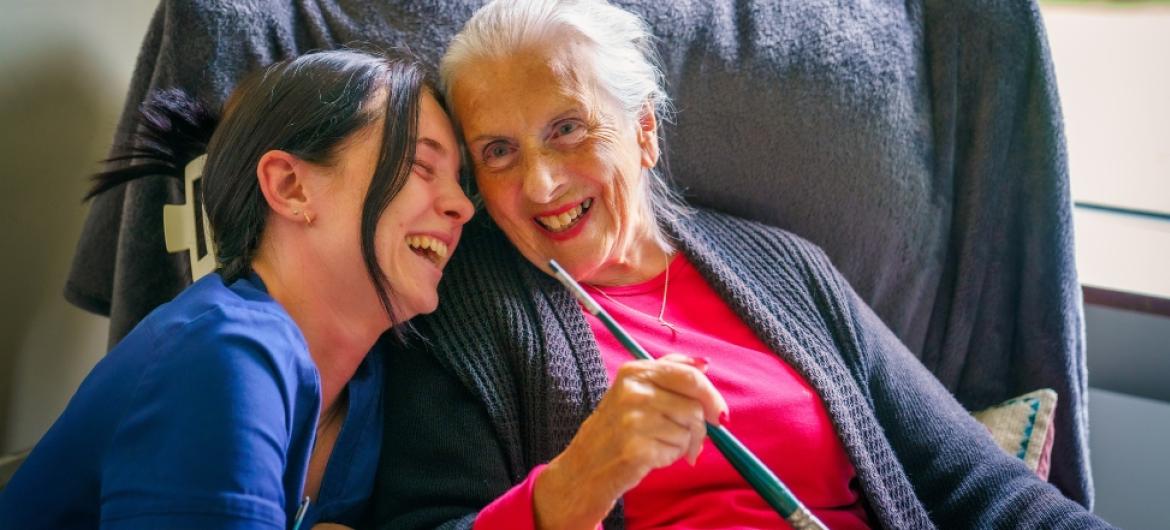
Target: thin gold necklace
point(661, 311)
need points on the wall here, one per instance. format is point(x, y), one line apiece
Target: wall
point(1129, 352)
point(65, 67)
point(1127, 444)
point(1114, 75)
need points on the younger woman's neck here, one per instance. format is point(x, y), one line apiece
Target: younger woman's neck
point(337, 336)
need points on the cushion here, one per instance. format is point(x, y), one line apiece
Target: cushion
point(1023, 427)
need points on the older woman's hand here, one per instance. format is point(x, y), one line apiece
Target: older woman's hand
point(652, 415)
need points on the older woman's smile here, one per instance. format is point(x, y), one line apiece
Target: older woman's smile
point(565, 222)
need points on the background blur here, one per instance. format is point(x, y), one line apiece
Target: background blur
point(65, 66)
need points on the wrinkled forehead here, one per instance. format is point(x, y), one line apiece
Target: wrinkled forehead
point(522, 85)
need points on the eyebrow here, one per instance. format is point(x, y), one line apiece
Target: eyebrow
point(482, 137)
point(564, 114)
point(433, 144)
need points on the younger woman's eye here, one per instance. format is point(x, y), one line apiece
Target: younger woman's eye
point(424, 170)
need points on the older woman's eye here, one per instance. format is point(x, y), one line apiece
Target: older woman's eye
point(568, 130)
point(497, 154)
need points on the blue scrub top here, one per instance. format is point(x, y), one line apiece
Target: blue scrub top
point(203, 417)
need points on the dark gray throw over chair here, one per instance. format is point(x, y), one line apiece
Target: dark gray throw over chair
point(918, 142)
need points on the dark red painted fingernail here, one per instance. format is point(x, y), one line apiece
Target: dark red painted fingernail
point(701, 362)
point(724, 419)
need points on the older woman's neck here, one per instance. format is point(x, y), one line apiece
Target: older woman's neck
point(642, 259)
point(338, 335)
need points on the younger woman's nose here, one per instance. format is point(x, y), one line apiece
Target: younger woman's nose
point(453, 203)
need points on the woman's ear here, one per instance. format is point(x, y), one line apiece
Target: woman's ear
point(283, 184)
point(648, 135)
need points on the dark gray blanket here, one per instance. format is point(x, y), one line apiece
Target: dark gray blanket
point(918, 142)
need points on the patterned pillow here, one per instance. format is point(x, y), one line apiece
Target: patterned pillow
point(1023, 427)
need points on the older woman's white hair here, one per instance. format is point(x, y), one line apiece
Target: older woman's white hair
point(618, 54)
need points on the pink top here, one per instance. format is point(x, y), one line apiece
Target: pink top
point(774, 412)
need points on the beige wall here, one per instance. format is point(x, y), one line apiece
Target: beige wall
point(1114, 75)
point(65, 67)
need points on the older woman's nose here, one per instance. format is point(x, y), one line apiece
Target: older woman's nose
point(541, 182)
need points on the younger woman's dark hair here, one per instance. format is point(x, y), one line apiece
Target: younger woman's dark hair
point(307, 106)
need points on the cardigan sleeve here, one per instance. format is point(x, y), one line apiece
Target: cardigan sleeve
point(514, 509)
point(962, 477)
point(441, 460)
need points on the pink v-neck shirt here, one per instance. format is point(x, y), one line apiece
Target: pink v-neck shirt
point(774, 412)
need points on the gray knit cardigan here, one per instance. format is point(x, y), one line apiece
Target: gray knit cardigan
point(510, 370)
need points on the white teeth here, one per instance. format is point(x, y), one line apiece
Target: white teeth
point(557, 222)
point(423, 242)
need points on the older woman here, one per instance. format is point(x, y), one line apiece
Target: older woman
point(523, 412)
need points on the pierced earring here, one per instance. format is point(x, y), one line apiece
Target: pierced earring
point(308, 220)
point(296, 211)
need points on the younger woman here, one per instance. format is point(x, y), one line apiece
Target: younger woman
point(331, 186)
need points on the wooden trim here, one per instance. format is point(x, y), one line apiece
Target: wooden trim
point(1141, 303)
